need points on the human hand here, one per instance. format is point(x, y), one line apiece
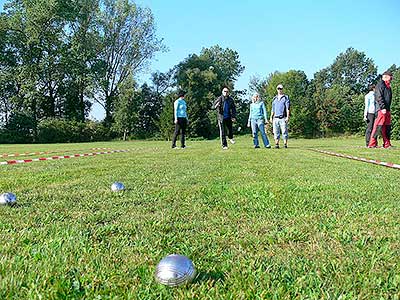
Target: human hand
point(233, 120)
point(287, 119)
point(365, 118)
point(176, 122)
point(248, 124)
point(383, 111)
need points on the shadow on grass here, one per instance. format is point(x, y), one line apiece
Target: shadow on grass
point(212, 277)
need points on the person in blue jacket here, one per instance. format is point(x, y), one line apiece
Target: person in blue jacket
point(180, 119)
point(257, 120)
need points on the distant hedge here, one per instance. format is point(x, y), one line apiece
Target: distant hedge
point(57, 131)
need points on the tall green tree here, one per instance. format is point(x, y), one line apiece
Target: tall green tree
point(395, 107)
point(126, 116)
point(203, 77)
point(128, 43)
point(80, 58)
point(354, 69)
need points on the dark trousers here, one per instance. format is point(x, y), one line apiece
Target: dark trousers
point(225, 125)
point(180, 126)
point(370, 126)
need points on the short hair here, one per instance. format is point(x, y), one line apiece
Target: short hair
point(181, 93)
point(388, 73)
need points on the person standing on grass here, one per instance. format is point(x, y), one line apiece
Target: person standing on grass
point(226, 112)
point(383, 100)
point(180, 119)
point(257, 120)
point(369, 112)
point(280, 116)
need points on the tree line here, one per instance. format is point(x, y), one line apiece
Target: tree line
point(59, 57)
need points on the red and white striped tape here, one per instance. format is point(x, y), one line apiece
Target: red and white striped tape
point(44, 152)
point(25, 154)
point(371, 161)
point(21, 161)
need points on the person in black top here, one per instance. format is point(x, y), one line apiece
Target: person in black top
point(226, 112)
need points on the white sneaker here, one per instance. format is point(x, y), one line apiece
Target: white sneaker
point(232, 141)
point(225, 148)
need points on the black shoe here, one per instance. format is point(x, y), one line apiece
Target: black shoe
point(276, 146)
point(256, 147)
point(285, 146)
point(183, 147)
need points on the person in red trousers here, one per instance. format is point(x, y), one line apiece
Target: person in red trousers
point(383, 99)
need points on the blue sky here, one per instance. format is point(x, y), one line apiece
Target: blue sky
point(276, 35)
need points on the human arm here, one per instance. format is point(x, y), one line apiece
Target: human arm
point(217, 103)
point(272, 112)
point(248, 121)
point(287, 106)
point(233, 110)
point(379, 95)
point(175, 111)
point(366, 105)
point(264, 109)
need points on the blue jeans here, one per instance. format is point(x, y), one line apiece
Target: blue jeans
point(258, 125)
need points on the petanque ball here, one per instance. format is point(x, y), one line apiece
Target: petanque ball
point(117, 186)
point(174, 270)
point(8, 199)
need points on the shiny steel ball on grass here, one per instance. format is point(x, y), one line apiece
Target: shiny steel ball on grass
point(174, 270)
point(8, 199)
point(117, 186)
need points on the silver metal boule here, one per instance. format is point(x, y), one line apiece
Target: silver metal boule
point(174, 270)
point(117, 186)
point(8, 199)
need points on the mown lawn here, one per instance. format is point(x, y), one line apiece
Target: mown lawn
point(257, 223)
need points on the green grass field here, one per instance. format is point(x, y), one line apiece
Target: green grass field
point(257, 223)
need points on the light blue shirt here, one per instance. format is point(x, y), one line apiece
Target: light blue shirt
point(180, 109)
point(258, 111)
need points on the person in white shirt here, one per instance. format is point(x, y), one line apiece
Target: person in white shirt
point(369, 113)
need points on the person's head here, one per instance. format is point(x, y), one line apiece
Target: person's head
point(225, 92)
point(181, 94)
point(371, 87)
point(279, 88)
point(255, 97)
point(387, 76)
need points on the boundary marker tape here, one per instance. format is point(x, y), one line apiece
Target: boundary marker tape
point(371, 161)
point(44, 152)
point(21, 161)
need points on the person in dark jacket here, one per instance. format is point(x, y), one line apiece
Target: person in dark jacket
point(226, 112)
point(383, 100)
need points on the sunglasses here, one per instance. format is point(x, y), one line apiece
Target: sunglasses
point(280, 88)
point(225, 91)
